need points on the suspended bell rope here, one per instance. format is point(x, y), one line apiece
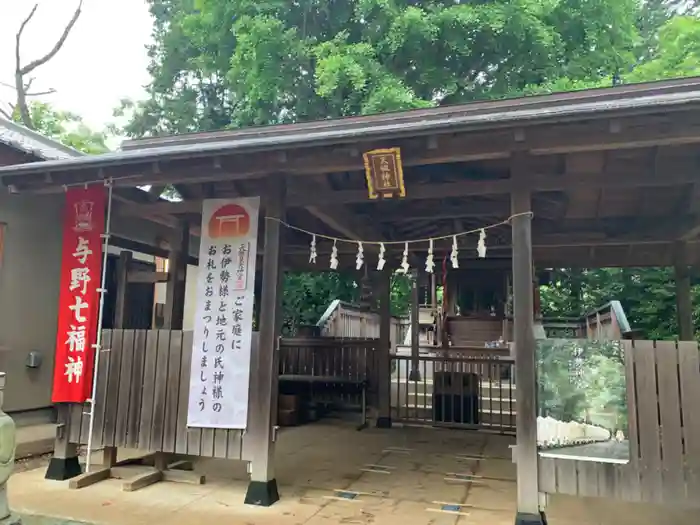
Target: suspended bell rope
point(381, 261)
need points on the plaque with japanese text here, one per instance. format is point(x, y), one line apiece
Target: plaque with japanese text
point(79, 299)
point(223, 326)
point(384, 173)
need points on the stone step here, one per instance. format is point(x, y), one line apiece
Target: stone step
point(425, 414)
point(483, 408)
point(486, 388)
point(505, 384)
point(505, 405)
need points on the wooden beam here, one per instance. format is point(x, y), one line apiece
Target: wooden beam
point(148, 277)
point(414, 374)
point(263, 395)
point(147, 249)
point(467, 188)
point(164, 219)
point(594, 134)
point(633, 132)
point(344, 221)
point(342, 225)
point(121, 300)
point(174, 309)
point(142, 480)
point(684, 301)
point(525, 372)
point(383, 290)
point(89, 478)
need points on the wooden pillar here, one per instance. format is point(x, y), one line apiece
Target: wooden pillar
point(64, 463)
point(121, 298)
point(684, 303)
point(452, 293)
point(262, 489)
point(109, 454)
point(414, 374)
point(525, 372)
point(384, 359)
point(174, 310)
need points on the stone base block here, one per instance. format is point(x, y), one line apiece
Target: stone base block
point(530, 519)
point(61, 469)
point(262, 493)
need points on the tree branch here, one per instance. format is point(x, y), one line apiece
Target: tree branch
point(19, 76)
point(5, 114)
point(22, 71)
point(18, 37)
point(49, 91)
point(57, 47)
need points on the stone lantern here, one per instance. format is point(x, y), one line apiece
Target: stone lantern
point(8, 435)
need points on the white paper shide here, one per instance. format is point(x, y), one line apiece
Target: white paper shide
point(223, 325)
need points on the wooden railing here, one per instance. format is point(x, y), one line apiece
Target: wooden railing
point(663, 387)
point(343, 319)
point(349, 359)
point(607, 322)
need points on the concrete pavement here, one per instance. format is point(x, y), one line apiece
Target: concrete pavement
point(329, 473)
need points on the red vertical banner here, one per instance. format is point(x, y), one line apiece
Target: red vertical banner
point(79, 299)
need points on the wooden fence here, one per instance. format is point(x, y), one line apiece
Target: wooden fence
point(346, 320)
point(143, 388)
point(663, 391)
point(606, 322)
point(353, 359)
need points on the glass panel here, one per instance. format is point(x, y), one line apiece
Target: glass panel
point(582, 400)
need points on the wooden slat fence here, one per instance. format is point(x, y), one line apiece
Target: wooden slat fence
point(142, 396)
point(609, 322)
point(346, 320)
point(663, 391)
point(143, 388)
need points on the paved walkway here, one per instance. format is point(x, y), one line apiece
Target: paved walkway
point(43, 520)
point(331, 474)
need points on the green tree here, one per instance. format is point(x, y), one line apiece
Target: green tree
point(307, 295)
point(648, 297)
point(65, 127)
point(219, 64)
point(229, 63)
point(677, 51)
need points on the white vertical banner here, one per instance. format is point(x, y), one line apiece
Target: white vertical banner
point(223, 325)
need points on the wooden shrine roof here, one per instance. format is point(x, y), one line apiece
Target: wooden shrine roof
point(614, 174)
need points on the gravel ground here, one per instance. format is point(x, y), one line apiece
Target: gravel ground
point(31, 463)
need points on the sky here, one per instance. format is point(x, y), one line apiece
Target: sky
point(103, 61)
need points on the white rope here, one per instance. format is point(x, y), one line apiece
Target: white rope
point(404, 242)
